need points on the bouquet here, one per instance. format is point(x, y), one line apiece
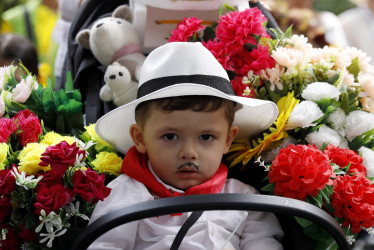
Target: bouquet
point(320, 148)
point(53, 169)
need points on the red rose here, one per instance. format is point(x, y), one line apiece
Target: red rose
point(11, 242)
point(299, 171)
point(237, 28)
point(61, 156)
point(5, 208)
point(186, 29)
point(353, 200)
point(27, 235)
point(52, 198)
point(221, 53)
point(7, 182)
point(90, 185)
point(343, 157)
point(50, 178)
point(30, 126)
point(7, 127)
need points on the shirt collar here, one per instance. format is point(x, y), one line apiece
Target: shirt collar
point(171, 188)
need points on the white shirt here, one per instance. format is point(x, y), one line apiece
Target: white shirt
point(254, 230)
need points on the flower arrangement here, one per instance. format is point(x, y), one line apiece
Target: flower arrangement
point(320, 148)
point(53, 170)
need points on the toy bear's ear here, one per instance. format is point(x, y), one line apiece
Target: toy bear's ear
point(83, 38)
point(124, 12)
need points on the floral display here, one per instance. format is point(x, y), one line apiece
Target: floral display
point(320, 148)
point(53, 169)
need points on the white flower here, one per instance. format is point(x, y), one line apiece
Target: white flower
point(326, 135)
point(337, 119)
point(26, 182)
point(300, 42)
point(51, 235)
point(5, 72)
point(357, 123)
point(303, 115)
point(363, 59)
point(22, 91)
point(4, 96)
point(288, 57)
point(320, 90)
point(368, 162)
point(74, 210)
point(270, 155)
point(49, 221)
point(79, 161)
point(84, 146)
point(367, 83)
point(350, 239)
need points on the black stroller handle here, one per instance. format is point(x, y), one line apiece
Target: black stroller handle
point(208, 202)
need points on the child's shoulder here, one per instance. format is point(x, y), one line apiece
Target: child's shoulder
point(235, 186)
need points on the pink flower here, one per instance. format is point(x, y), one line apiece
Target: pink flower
point(221, 53)
point(237, 28)
point(186, 29)
point(30, 126)
point(7, 127)
point(239, 87)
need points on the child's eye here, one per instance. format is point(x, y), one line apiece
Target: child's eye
point(206, 137)
point(170, 137)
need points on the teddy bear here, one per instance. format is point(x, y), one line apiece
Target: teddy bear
point(115, 44)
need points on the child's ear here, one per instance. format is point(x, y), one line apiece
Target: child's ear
point(136, 134)
point(230, 137)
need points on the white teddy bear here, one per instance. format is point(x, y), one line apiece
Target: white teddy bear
point(115, 43)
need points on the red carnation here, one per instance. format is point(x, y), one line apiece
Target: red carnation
point(186, 29)
point(237, 28)
point(61, 156)
point(353, 200)
point(299, 171)
point(239, 87)
point(7, 182)
point(343, 157)
point(90, 185)
point(5, 208)
point(7, 127)
point(52, 198)
point(29, 125)
point(27, 235)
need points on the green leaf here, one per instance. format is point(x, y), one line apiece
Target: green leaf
point(269, 187)
point(354, 68)
point(303, 222)
point(69, 85)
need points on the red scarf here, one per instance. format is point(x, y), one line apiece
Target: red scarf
point(135, 165)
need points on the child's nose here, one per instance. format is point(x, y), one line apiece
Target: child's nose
point(188, 151)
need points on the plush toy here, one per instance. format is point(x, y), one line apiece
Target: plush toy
point(115, 43)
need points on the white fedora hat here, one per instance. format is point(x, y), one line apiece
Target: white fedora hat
point(183, 69)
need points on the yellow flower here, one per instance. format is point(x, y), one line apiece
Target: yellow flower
point(52, 138)
point(29, 158)
point(245, 149)
point(107, 162)
point(90, 134)
point(4, 149)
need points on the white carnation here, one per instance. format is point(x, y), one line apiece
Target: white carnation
point(368, 162)
point(270, 155)
point(337, 119)
point(326, 135)
point(303, 115)
point(357, 123)
point(320, 90)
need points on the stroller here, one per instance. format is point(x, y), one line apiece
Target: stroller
point(87, 76)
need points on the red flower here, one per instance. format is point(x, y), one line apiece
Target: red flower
point(237, 28)
point(299, 171)
point(353, 200)
point(186, 29)
point(7, 127)
point(27, 235)
point(343, 157)
point(239, 87)
point(30, 126)
point(7, 182)
point(5, 208)
point(50, 178)
point(221, 53)
point(61, 156)
point(90, 185)
point(52, 198)
point(11, 242)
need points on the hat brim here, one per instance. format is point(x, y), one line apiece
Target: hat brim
point(252, 115)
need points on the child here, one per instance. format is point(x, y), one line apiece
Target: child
point(181, 125)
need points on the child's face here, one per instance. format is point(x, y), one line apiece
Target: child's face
point(185, 148)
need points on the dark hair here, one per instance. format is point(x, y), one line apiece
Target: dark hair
point(16, 48)
point(195, 103)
